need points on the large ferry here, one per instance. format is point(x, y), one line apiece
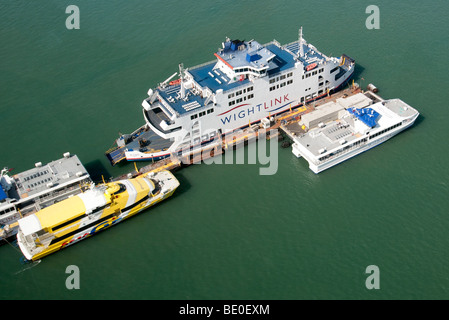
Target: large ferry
point(29, 191)
point(340, 130)
point(244, 84)
point(102, 206)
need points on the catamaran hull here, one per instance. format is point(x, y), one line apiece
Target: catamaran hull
point(87, 231)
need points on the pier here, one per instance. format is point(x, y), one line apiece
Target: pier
point(287, 123)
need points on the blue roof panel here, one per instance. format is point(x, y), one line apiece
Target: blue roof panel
point(205, 76)
point(367, 115)
point(3, 195)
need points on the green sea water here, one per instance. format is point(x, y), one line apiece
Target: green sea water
point(228, 232)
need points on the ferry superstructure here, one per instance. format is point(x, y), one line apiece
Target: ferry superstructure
point(32, 190)
point(337, 131)
point(81, 216)
point(246, 83)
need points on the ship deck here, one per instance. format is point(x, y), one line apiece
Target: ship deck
point(191, 103)
point(153, 142)
point(206, 76)
point(59, 172)
point(327, 134)
point(284, 60)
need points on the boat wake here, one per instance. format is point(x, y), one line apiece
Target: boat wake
point(28, 264)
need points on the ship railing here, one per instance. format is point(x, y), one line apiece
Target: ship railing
point(291, 43)
point(271, 42)
point(288, 50)
point(202, 65)
point(343, 151)
point(275, 42)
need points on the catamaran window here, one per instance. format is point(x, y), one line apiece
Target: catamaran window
point(302, 77)
point(282, 77)
point(272, 80)
point(202, 113)
point(121, 189)
point(289, 81)
point(6, 210)
point(210, 111)
point(282, 84)
point(250, 96)
point(334, 69)
point(194, 116)
point(314, 73)
point(250, 89)
point(289, 74)
point(238, 93)
point(239, 100)
point(231, 96)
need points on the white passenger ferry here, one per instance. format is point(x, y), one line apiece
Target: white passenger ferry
point(338, 130)
point(244, 84)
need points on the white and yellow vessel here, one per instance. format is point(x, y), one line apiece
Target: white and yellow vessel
point(96, 209)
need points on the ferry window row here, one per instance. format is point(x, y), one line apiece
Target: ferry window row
point(312, 73)
point(237, 93)
point(7, 210)
point(385, 130)
point(334, 69)
point(279, 78)
point(201, 114)
point(342, 149)
point(312, 95)
point(245, 70)
point(283, 84)
point(250, 96)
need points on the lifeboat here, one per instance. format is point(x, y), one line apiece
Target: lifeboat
point(175, 82)
point(311, 66)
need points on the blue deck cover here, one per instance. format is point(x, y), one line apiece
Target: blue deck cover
point(3, 195)
point(367, 115)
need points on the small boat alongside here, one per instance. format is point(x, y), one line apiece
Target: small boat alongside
point(27, 192)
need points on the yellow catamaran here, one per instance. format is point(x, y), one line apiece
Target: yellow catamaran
point(98, 208)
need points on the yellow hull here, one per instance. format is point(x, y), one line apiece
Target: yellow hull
point(103, 225)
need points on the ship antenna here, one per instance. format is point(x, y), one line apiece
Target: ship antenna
point(181, 75)
point(301, 40)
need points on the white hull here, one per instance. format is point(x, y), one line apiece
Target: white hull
point(319, 166)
